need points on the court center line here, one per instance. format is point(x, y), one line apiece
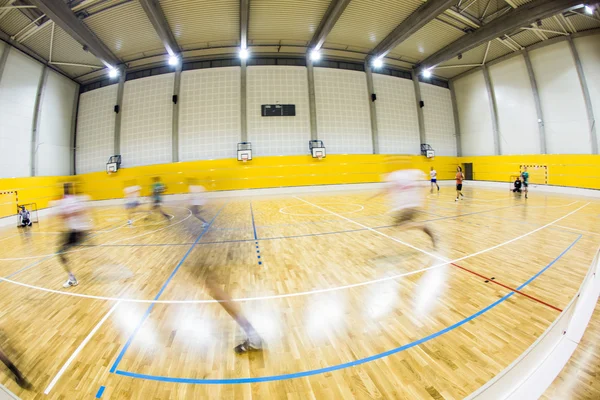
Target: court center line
point(507, 287)
point(351, 363)
point(160, 292)
point(78, 350)
point(297, 294)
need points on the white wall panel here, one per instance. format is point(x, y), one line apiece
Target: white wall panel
point(18, 90)
point(54, 155)
point(477, 138)
point(209, 113)
point(146, 125)
point(95, 135)
point(588, 48)
point(438, 116)
point(343, 116)
point(561, 98)
point(397, 120)
point(517, 117)
point(274, 136)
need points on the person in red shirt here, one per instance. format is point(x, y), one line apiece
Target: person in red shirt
point(459, 180)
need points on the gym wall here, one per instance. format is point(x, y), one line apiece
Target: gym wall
point(566, 124)
point(36, 104)
point(278, 136)
point(210, 116)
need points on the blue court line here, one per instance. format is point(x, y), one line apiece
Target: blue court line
point(160, 292)
point(348, 364)
point(100, 392)
point(258, 256)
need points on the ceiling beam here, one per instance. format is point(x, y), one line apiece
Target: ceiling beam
point(61, 14)
point(415, 21)
point(512, 20)
point(333, 13)
point(156, 16)
point(244, 20)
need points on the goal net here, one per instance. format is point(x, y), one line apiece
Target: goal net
point(538, 175)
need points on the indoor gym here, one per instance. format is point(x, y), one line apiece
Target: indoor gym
point(291, 115)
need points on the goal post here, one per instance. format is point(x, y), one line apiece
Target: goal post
point(8, 202)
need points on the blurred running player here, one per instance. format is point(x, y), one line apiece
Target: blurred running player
point(132, 196)
point(406, 195)
point(157, 191)
point(459, 180)
point(525, 179)
point(433, 176)
point(19, 378)
point(73, 211)
point(197, 200)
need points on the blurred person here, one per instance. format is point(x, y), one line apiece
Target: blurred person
point(24, 217)
point(132, 200)
point(19, 378)
point(404, 191)
point(72, 209)
point(197, 200)
point(525, 178)
point(517, 185)
point(459, 180)
point(433, 176)
point(157, 191)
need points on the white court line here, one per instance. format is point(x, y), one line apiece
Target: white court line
point(578, 230)
point(78, 350)
point(297, 294)
point(359, 209)
point(9, 237)
point(105, 244)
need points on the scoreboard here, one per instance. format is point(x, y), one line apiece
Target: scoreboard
point(278, 110)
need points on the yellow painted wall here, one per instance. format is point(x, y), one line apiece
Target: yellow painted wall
point(40, 190)
point(261, 172)
point(579, 170)
point(227, 174)
point(268, 172)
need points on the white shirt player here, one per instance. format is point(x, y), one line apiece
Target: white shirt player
point(73, 209)
point(132, 194)
point(433, 174)
point(197, 197)
point(405, 188)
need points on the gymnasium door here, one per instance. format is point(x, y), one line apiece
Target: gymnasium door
point(468, 168)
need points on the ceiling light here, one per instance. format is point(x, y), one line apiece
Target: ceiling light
point(427, 73)
point(244, 54)
point(588, 10)
point(112, 72)
point(315, 55)
point(378, 62)
point(173, 60)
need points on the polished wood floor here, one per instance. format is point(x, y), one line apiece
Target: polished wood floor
point(349, 305)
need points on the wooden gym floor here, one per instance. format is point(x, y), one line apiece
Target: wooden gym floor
point(349, 305)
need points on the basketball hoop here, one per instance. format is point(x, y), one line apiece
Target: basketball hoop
point(319, 155)
point(244, 157)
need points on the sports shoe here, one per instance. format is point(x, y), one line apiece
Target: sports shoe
point(248, 345)
point(205, 224)
point(129, 222)
point(70, 282)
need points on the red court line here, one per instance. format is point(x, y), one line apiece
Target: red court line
point(508, 287)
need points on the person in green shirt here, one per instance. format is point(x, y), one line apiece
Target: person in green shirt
point(157, 190)
point(525, 179)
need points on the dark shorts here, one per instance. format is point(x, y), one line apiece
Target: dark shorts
point(459, 186)
point(156, 201)
point(525, 184)
point(73, 238)
point(406, 214)
point(433, 180)
point(129, 206)
point(196, 209)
